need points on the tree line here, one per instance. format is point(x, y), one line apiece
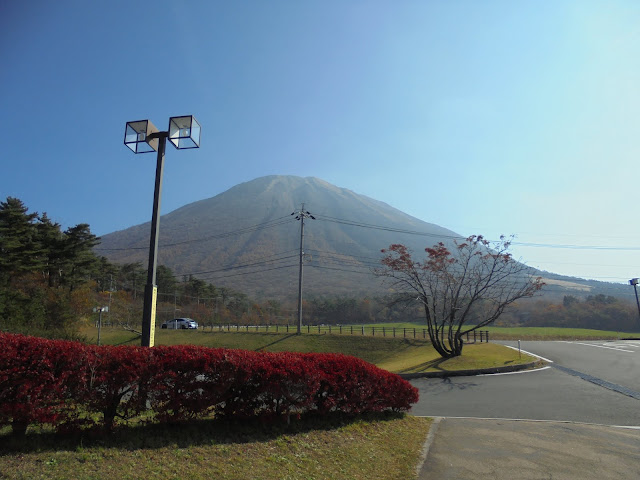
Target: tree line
point(598, 312)
point(51, 280)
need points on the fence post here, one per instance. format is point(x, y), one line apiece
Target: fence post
point(384, 334)
point(394, 332)
point(474, 336)
point(329, 329)
point(487, 333)
point(373, 331)
point(363, 330)
point(287, 328)
point(424, 333)
point(414, 332)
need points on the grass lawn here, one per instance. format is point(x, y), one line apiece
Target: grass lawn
point(399, 355)
point(528, 333)
point(379, 447)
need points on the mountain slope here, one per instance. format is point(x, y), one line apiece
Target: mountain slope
point(249, 229)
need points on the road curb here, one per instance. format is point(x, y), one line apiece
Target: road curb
point(427, 445)
point(469, 373)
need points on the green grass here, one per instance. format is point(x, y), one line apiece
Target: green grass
point(481, 355)
point(525, 333)
point(378, 447)
point(555, 333)
point(400, 355)
point(372, 447)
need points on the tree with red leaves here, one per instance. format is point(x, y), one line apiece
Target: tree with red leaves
point(462, 289)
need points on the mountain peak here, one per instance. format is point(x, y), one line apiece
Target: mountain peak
point(245, 238)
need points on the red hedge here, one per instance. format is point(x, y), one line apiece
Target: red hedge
point(65, 383)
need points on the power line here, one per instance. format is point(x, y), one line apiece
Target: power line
point(250, 273)
point(235, 267)
point(459, 237)
point(260, 226)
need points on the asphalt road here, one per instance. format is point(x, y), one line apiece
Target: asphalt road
point(556, 393)
point(470, 449)
point(617, 362)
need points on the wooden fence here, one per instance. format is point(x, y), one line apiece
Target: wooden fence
point(477, 336)
point(394, 332)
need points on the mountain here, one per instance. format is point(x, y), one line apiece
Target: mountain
point(247, 239)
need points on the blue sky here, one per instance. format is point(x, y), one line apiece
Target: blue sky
point(491, 117)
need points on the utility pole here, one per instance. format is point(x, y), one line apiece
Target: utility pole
point(110, 292)
point(301, 215)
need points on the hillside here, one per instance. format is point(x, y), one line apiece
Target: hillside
point(247, 239)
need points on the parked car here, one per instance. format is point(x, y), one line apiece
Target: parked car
point(180, 323)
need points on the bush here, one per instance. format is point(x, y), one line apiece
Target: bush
point(37, 377)
point(65, 384)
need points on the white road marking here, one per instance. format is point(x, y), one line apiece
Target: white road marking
point(529, 353)
point(598, 346)
point(633, 427)
point(512, 373)
point(627, 345)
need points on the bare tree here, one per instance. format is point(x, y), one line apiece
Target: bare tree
point(461, 290)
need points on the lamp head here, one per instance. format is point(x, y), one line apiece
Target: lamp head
point(136, 136)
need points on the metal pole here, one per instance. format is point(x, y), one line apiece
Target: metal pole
point(150, 290)
point(635, 288)
point(99, 324)
point(300, 274)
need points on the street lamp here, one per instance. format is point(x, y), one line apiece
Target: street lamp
point(634, 282)
point(142, 136)
point(100, 310)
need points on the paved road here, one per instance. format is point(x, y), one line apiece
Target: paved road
point(505, 450)
point(550, 394)
point(616, 362)
point(588, 382)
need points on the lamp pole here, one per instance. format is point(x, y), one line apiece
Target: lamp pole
point(151, 289)
point(142, 137)
point(100, 310)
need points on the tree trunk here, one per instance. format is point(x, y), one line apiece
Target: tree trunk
point(446, 346)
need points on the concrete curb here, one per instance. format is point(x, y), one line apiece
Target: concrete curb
point(468, 373)
point(427, 444)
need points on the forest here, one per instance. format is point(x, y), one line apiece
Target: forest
point(51, 282)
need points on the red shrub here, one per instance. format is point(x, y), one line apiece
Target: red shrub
point(115, 381)
point(35, 375)
point(351, 385)
point(189, 381)
point(62, 383)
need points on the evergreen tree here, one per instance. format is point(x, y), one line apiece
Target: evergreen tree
point(20, 251)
